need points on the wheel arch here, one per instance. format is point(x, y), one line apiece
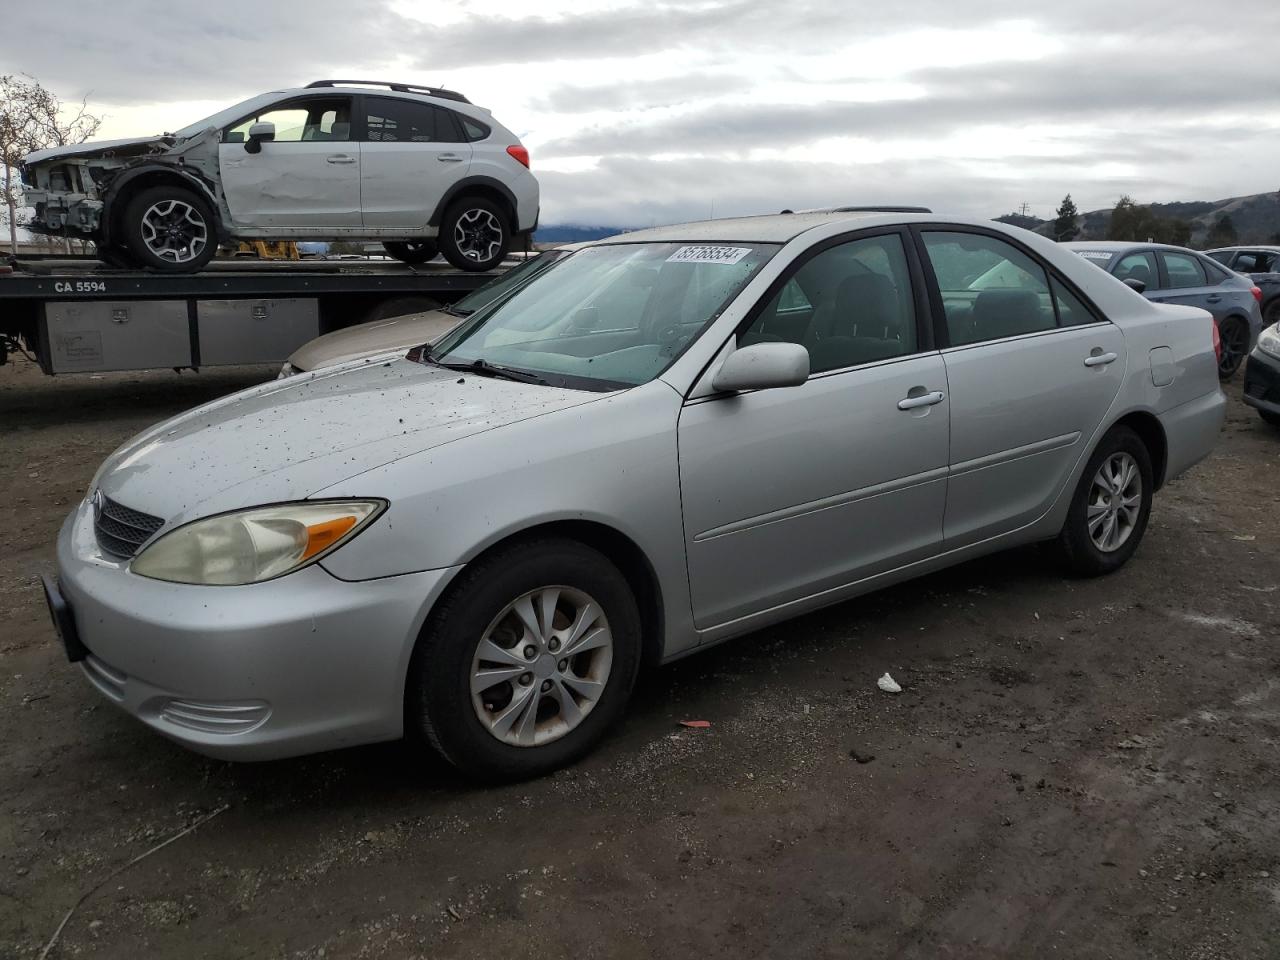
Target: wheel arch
point(1149, 429)
point(133, 181)
point(486, 187)
point(621, 550)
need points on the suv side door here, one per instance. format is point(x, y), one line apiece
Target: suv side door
point(797, 491)
point(412, 153)
point(1032, 370)
point(305, 180)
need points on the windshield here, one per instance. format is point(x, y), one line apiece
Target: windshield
point(504, 283)
point(223, 117)
point(609, 316)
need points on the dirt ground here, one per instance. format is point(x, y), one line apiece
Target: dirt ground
point(1074, 768)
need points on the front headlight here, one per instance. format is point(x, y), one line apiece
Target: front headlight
point(250, 546)
point(1269, 341)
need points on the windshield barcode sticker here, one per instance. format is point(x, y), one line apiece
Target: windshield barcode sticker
point(727, 255)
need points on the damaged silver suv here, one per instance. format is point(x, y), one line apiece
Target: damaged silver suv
point(420, 168)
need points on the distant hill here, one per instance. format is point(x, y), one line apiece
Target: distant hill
point(567, 233)
point(1256, 218)
point(1021, 220)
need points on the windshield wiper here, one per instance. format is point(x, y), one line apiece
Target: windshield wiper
point(485, 368)
point(456, 311)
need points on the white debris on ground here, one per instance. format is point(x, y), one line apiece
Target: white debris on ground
point(888, 684)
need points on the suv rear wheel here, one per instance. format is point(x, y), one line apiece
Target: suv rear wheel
point(170, 228)
point(475, 234)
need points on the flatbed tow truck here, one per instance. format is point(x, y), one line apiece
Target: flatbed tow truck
point(76, 315)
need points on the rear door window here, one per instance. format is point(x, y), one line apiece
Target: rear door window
point(389, 120)
point(1184, 270)
point(990, 289)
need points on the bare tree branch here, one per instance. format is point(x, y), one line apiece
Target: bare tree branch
point(33, 118)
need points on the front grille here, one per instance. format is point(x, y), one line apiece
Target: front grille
point(120, 530)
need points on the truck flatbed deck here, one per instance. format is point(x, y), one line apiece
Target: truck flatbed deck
point(76, 315)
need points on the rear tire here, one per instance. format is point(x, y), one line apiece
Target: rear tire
point(411, 251)
point(475, 234)
point(170, 229)
point(1106, 520)
point(473, 712)
point(1234, 334)
point(1271, 418)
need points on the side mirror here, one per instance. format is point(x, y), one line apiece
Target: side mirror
point(1133, 283)
point(762, 366)
point(259, 134)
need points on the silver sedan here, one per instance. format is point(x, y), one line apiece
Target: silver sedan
point(671, 439)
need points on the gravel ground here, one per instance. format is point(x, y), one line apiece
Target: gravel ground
point(1074, 768)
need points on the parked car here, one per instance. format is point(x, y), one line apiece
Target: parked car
point(1166, 274)
point(670, 439)
point(419, 168)
point(1262, 376)
point(398, 334)
point(1262, 265)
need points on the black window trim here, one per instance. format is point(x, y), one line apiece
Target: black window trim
point(942, 335)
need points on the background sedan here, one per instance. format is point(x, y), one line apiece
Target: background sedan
point(1177, 275)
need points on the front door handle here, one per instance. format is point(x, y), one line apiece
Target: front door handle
point(923, 400)
point(340, 158)
point(449, 158)
point(1099, 359)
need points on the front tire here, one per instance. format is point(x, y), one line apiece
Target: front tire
point(475, 234)
point(411, 251)
point(171, 229)
point(1234, 334)
point(1271, 418)
point(1109, 511)
point(527, 661)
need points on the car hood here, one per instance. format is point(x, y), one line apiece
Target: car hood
point(288, 439)
point(366, 339)
point(136, 145)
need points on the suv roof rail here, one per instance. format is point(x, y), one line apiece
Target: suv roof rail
point(440, 92)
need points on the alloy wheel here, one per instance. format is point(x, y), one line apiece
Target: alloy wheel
point(1234, 337)
point(478, 235)
point(174, 230)
point(541, 666)
point(1115, 501)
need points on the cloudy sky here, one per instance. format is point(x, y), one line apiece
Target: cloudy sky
point(647, 112)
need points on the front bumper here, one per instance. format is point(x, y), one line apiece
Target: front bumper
point(296, 665)
point(1262, 382)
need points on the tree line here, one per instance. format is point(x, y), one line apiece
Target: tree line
point(1133, 221)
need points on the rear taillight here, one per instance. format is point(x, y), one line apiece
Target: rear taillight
point(1217, 341)
point(520, 154)
point(1257, 293)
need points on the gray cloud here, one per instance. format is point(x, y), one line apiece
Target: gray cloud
point(149, 51)
point(662, 92)
point(1068, 88)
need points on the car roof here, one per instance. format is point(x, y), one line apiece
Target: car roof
point(1269, 247)
point(771, 228)
point(1115, 246)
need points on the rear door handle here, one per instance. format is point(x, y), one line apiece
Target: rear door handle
point(449, 158)
point(1099, 359)
point(1215, 298)
point(924, 400)
point(340, 158)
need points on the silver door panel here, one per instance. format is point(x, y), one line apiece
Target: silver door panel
point(792, 491)
point(1018, 410)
